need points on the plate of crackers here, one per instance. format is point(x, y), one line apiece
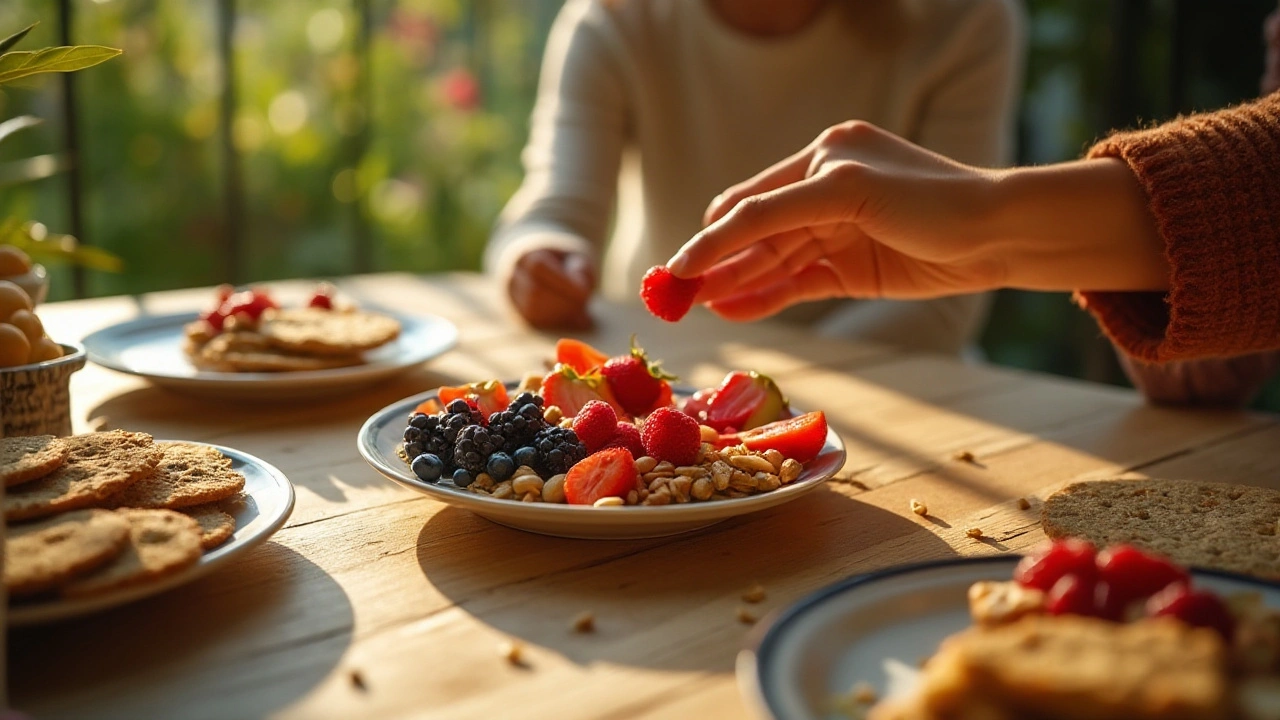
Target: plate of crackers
point(101, 519)
point(248, 346)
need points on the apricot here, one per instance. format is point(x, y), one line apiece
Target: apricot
point(14, 346)
point(13, 261)
point(45, 349)
point(29, 324)
point(12, 299)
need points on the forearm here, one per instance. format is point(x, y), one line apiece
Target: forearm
point(1082, 225)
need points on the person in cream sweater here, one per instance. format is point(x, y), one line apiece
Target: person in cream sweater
point(652, 107)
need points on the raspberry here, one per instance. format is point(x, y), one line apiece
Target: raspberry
point(667, 296)
point(596, 423)
point(1198, 608)
point(1042, 569)
point(627, 436)
point(670, 435)
point(1071, 594)
point(1135, 575)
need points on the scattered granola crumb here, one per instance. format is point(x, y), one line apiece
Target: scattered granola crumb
point(965, 456)
point(1024, 504)
point(754, 594)
point(746, 617)
point(585, 622)
point(513, 652)
point(973, 532)
point(357, 681)
point(919, 508)
point(864, 693)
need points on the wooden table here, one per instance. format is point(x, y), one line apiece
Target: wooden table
point(376, 602)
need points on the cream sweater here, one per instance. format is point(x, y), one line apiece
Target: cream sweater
point(666, 88)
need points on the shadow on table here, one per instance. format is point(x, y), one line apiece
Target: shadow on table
point(197, 651)
point(668, 603)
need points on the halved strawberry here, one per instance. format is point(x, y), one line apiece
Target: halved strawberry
point(430, 406)
point(608, 473)
point(578, 355)
point(800, 438)
point(745, 400)
point(489, 396)
point(695, 406)
point(569, 390)
point(636, 381)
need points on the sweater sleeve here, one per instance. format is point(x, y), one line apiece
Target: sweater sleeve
point(1212, 189)
point(575, 145)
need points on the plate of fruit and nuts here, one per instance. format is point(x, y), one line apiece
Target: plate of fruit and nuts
point(1111, 633)
point(247, 345)
point(604, 447)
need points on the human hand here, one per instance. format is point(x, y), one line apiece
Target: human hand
point(863, 213)
point(551, 289)
point(1271, 36)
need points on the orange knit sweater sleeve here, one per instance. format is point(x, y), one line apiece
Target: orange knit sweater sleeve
point(1213, 181)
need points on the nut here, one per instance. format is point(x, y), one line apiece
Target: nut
point(524, 470)
point(483, 481)
point(754, 594)
point(513, 652)
point(664, 467)
point(789, 471)
point(553, 489)
point(584, 622)
point(661, 497)
point(503, 490)
point(611, 501)
point(751, 463)
point(566, 423)
point(707, 454)
point(642, 494)
point(775, 459)
point(1023, 504)
point(702, 488)
point(767, 482)
point(527, 484)
point(645, 464)
point(680, 487)
point(531, 497)
point(658, 484)
point(973, 532)
point(693, 471)
point(919, 508)
point(649, 477)
point(553, 414)
point(709, 434)
point(633, 497)
point(721, 471)
point(742, 482)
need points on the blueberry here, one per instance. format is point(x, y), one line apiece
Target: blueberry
point(459, 407)
point(500, 466)
point(412, 434)
point(428, 467)
point(531, 412)
point(462, 478)
point(526, 456)
point(419, 421)
point(414, 449)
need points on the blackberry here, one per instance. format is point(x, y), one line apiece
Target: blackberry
point(558, 449)
point(517, 425)
point(437, 434)
point(526, 398)
point(474, 446)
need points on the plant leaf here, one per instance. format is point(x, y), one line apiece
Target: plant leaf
point(16, 38)
point(30, 169)
point(95, 259)
point(21, 63)
point(13, 125)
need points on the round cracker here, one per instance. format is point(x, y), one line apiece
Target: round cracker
point(23, 459)
point(1210, 525)
point(43, 555)
point(216, 526)
point(327, 332)
point(98, 465)
point(161, 543)
point(187, 474)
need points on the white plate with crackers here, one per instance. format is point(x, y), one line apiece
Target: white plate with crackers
point(120, 517)
point(871, 632)
point(380, 439)
point(153, 348)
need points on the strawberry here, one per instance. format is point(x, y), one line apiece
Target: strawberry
point(627, 435)
point(608, 473)
point(636, 382)
point(430, 406)
point(488, 396)
point(579, 355)
point(695, 406)
point(800, 438)
point(667, 296)
point(569, 390)
point(595, 424)
point(249, 302)
point(745, 400)
point(669, 434)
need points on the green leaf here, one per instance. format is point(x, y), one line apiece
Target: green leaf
point(13, 125)
point(18, 172)
point(19, 64)
point(15, 38)
point(94, 258)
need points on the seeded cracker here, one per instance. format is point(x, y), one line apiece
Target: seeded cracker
point(216, 526)
point(42, 555)
point(187, 475)
point(98, 465)
point(23, 459)
point(161, 543)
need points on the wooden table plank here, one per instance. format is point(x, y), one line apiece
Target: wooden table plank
point(415, 597)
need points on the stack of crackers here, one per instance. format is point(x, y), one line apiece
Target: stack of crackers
point(290, 340)
point(93, 513)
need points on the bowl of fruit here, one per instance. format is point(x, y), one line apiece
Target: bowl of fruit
point(35, 371)
point(604, 447)
point(17, 268)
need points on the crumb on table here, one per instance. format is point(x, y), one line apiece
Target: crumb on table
point(357, 681)
point(585, 622)
point(513, 652)
point(919, 507)
point(965, 456)
point(746, 617)
point(1024, 504)
point(754, 594)
point(973, 532)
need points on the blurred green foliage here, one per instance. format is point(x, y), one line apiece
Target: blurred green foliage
point(439, 92)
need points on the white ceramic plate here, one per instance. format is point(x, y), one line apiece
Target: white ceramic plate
point(383, 433)
point(875, 628)
point(151, 347)
point(267, 502)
